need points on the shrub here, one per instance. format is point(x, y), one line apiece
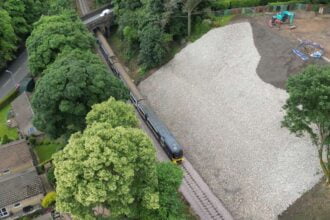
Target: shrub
point(51, 176)
point(8, 98)
point(49, 199)
point(5, 139)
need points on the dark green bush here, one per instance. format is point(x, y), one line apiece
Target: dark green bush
point(7, 99)
point(51, 176)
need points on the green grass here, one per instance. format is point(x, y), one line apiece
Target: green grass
point(45, 151)
point(4, 129)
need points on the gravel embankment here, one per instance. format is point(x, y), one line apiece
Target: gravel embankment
point(228, 121)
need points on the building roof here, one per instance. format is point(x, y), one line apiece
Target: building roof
point(18, 187)
point(24, 114)
point(14, 154)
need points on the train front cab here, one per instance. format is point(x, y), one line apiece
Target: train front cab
point(177, 159)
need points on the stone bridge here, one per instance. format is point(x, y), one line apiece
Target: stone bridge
point(94, 20)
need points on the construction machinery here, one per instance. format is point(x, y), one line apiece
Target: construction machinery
point(281, 18)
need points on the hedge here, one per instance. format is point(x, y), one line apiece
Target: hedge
point(228, 4)
point(8, 98)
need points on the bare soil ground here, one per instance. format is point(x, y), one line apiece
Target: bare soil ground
point(275, 47)
point(310, 26)
point(313, 205)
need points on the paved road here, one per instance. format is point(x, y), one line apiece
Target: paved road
point(19, 69)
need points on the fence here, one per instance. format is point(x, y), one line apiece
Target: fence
point(271, 8)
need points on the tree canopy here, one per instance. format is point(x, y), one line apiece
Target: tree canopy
point(308, 110)
point(53, 34)
point(115, 113)
point(8, 38)
point(16, 10)
point(16, 20)
point(150, 35)
point(110, 167)
point(70, 86)
point(169, 180)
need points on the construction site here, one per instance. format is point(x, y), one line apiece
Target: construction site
point(222, 98)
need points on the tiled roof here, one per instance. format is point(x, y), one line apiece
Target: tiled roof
point(18, 187)
point(14, 154)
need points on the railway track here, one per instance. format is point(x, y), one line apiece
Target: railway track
point(196, 192)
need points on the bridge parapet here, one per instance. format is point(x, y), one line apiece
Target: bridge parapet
point(93, 20)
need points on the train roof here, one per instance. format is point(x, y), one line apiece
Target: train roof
point(161, 128)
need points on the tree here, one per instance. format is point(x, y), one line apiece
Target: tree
point(152, 46)
point(16, 10)
point(115, 113)
point(169, 180)
point(7, 39)
point(114, 168)
point(53, 34)
point(308, 110)
point(190, 5)
point(70, 86)
point(35, 9)
point(59, 6)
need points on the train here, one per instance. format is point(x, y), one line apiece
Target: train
point(165, 138)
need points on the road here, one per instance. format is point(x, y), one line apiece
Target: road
point(19, 69)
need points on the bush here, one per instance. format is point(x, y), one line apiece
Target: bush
point(5, 139)
point(49, 199)
point(7, 99)
point(51, 176)
point(32, 140)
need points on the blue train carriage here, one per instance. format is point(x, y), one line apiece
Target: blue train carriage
point(171, 147)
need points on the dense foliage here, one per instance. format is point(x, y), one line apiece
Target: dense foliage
point(169, 180)
point(51, 35)
point(111, 167)
point(59, 6)
point(308, 110)
point(17, 17)
point(70, 86)
point(115, 113)
point(8, 39)
point(150, 35)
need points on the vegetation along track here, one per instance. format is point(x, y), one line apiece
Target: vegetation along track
point(194, 189)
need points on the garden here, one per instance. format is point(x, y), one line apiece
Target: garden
point(6, 134)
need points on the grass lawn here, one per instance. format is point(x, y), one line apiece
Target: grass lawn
point(45, 151)
point(4, 130)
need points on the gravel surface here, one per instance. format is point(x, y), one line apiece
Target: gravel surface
point(228, 121)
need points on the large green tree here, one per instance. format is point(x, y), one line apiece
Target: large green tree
point(53, 34)
point(115, 113)
point(8, 38)
point(152, 45)
point(16, 10)
point(70, 86)
point(190, 6)
point(113, 168)
point(308, 110)
point(34, 9)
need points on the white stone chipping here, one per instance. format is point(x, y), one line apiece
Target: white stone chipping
point(228, 121)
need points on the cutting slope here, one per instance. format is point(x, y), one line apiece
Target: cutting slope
point(228, 121)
